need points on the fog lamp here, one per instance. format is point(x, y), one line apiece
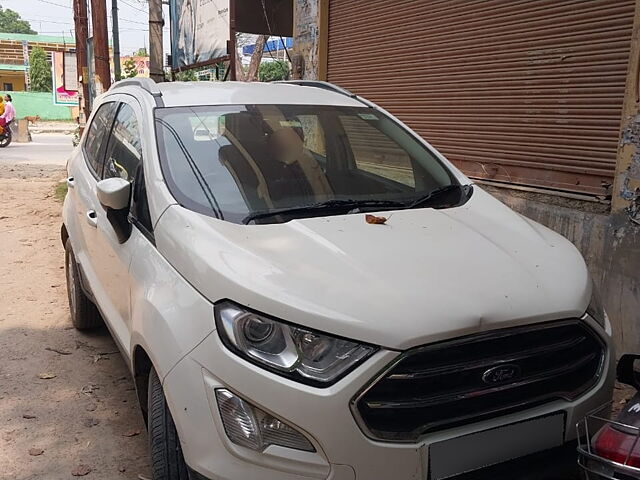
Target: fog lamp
point(248, 426)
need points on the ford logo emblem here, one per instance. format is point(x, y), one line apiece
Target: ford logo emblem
point(501, 374)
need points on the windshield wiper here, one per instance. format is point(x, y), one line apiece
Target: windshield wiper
point(352, 204)
point(432, 195)
point(327, 205)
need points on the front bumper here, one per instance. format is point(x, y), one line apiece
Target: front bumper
point(324, 416)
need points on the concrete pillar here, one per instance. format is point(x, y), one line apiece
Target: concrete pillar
point(21, 131)
point(310, 22)
point(626, 189)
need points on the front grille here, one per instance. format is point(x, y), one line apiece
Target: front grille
point(480, 376)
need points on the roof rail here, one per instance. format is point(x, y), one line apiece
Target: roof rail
point(142, 82)
point(320, 84)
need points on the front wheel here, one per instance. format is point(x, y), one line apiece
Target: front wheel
point(167, 461)
point(5, 138)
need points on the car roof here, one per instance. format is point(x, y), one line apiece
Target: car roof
point(176, 94)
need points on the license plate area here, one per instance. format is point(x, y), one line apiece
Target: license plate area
point(482, 449)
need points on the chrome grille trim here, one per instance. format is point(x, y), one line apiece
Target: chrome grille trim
point(385, 375)
point(475, 393)
point(489, 362)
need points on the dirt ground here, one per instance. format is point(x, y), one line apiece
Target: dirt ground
point(66, 398)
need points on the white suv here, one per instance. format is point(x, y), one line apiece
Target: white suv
point(304, 288)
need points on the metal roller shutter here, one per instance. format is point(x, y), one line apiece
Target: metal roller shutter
point(526, 92)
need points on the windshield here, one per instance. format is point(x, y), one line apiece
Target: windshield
point(234, 162)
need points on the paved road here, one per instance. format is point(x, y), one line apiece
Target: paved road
point(46, 149)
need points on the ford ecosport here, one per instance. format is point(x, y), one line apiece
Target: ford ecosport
point(304, 288)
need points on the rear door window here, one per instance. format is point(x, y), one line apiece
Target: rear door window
point(95, 142)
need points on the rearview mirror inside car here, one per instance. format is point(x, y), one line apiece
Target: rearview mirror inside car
point(628, 370)
point(114, 193)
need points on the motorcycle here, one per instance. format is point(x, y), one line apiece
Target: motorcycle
point(5, 136)
point(613, 453)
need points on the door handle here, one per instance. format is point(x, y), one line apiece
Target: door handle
point(92, 218)
point(71, 182)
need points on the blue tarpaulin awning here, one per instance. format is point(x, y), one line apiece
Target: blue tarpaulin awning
point(271, 45)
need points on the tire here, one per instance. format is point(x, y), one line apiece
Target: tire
point(167, 461)
point(6, 139)
point(84, 314)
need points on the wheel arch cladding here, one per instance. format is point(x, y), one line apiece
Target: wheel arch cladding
point(142, 366)
point(64, 234)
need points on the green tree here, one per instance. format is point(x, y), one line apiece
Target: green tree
point(141, 52)
point(270, 71)
point(39, 71)
point(130, 69)
point(10, 22)
point(187, 76)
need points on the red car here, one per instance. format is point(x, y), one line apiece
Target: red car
point(613, 453)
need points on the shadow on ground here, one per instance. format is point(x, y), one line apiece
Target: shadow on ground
point(66, 397)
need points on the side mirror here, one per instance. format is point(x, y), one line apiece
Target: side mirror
point(626, 371)
point(114, 193)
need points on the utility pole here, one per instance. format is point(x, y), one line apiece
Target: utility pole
point(82, 31)
point(116, 39)
point(155, 40)
point(234, 65)
point(100, 45)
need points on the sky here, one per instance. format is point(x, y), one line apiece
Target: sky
point(55, 17)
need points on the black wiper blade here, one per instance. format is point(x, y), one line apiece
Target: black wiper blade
point(432, 195)
point(348, 202)
point(327, 205)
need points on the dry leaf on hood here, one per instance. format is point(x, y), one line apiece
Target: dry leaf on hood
point(372, 219)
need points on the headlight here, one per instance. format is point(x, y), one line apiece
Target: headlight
point(596, 309)
point(294, 352)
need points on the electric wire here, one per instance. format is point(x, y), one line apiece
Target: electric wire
point(56, 4)
point(266, 18)
point(134, 7)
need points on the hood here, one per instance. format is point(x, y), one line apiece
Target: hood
point(426, 275)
